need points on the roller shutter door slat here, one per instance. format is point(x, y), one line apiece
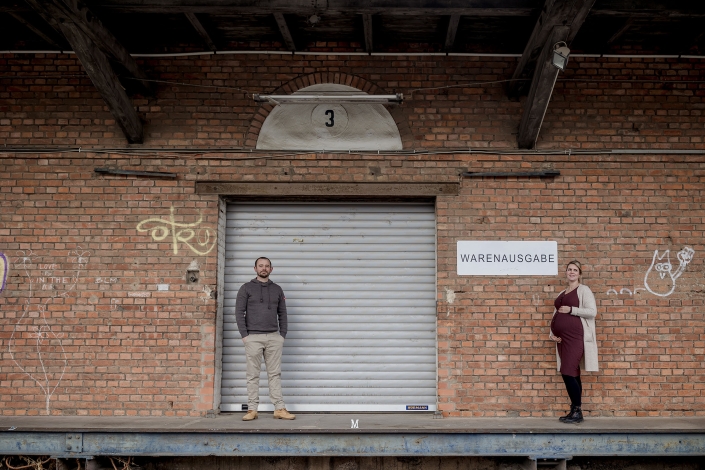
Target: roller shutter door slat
point(331, 242)
point(406, 280)
point(326, 327)
point(360, 286)
point(381, 233)
point(324, 343)
point(356, 336)
point(356, 267)
point(371, 302)
point(292, 342)
point(234, 376)
point(361, 386)
point(323, 318)
point(355, 367)
point(354, 311)
point(342, 253)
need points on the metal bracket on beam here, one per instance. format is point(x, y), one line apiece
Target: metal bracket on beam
point(508, 174)
point(74, 442)
point(546, 463)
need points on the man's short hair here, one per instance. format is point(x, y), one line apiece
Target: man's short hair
point(263, 257)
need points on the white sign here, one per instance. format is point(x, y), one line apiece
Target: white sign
point(515, 258)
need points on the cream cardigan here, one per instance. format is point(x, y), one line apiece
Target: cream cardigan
point(587, 313)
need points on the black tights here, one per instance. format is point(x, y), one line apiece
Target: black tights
point(575, 389)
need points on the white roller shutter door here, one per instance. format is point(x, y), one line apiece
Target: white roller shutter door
point(359, 281)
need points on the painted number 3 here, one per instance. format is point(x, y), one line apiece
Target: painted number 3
point(331, 116)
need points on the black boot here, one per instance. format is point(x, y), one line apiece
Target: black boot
point(563, 418)
point(575, 417)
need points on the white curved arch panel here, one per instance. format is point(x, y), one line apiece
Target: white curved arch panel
point(329, 126)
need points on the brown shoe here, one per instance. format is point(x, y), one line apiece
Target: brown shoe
point(283, 414)
point(251, 415)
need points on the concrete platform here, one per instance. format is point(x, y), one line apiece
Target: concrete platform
point(355, 434)
point(343, 423)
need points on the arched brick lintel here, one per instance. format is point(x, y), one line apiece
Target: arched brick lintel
point(319, 78)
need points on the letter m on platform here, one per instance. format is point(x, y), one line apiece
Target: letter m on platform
point(353, 424)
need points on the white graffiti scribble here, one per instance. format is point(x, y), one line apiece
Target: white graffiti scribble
point(655, 280)
point(204, 236)
point(624, 291)
point(208, 291)
point(44, 360)
point(80, 260)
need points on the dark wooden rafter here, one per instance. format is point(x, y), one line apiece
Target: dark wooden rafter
point(621, 31)
point(308, 7)
point(105, 80)
point(35, 30)
point(541, 89)
point(284, 30)
point(523, 8)
point(55, 12)
point(201, 30)
point(570, 13)
point(452, 31)
point(699, 38)
point(96, 64)
point(367, 29)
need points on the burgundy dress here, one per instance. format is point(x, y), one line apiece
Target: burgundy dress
point(569, 329)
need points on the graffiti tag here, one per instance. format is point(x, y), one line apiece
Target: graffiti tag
point(200, 240)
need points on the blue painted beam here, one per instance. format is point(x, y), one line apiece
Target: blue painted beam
point(544, 445)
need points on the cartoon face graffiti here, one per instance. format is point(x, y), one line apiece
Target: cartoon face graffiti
point(660, 279)
point(664, 268)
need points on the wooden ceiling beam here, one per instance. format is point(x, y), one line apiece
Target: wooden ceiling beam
point(56, 12)
point(302, 7)
point(103, 76)
point(284, 30)
point(698, 39)
point(367, 27)
point(499, 8)
point(452, 31)
point(201, 30)
point(621, 31)
point(35, 30)
point(570, 13)
point(541, 90)
point(96, 64)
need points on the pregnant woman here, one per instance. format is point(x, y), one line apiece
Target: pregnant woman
point(573, 330)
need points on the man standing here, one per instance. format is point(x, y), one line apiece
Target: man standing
point(260, 311)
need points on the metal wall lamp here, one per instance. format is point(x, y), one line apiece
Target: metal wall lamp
point(560, 55)
point(397, 98)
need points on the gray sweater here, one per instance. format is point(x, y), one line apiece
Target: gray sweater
point(260, 308)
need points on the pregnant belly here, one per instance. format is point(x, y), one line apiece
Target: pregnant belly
point(565, 324)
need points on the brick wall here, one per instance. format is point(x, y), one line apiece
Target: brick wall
point(202, 101)
point(82, 316)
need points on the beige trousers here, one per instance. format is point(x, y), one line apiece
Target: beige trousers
point(270, 346)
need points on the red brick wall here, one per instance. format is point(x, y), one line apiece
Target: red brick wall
point(78, 260)
point(202, 101)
